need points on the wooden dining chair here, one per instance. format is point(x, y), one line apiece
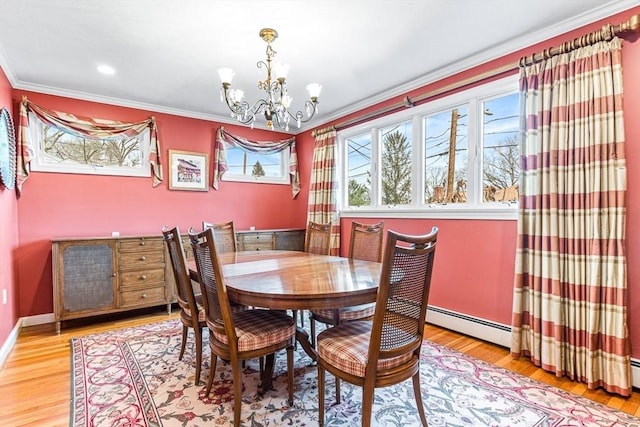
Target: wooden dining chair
point(241, 335)
point(318, 238)
point(317, 241)
point(386, 351)
point(365, 244)
point(191, 309)
point(224, 234)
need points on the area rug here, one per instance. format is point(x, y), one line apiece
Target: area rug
point(133, 377)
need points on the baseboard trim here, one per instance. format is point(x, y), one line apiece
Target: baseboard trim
point(39, 319)
point(492, 332)
point(6, 348)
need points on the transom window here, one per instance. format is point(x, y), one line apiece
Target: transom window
point(59, 150)
point(454, 157)
point(247, 166)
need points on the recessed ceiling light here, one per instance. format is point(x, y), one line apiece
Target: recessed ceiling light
point(106, 69)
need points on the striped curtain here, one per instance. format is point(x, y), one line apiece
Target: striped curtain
point(323, 187)
point(570, 287)
point(224, 138)
point(84, 127)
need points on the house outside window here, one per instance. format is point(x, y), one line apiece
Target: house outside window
point(455, 157)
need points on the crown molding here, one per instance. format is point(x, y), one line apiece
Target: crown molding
point(601, 12)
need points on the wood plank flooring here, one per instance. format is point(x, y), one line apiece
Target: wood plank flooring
point(35, 380)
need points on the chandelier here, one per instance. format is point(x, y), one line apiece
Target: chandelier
point(275, 105)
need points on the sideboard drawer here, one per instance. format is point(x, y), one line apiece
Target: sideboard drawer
point(142, 297)
point(138, 244)
point(141, 279)
point(128, 260)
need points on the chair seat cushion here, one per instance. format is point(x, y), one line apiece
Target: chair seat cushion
point(346, 314)
point(347, 348)
point(260, 328)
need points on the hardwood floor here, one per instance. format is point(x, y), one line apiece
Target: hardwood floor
point(35, 380)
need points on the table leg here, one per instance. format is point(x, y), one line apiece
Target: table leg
point(266, 382)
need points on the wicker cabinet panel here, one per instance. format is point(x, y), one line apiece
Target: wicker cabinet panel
point(290, 240)
point(94, 276)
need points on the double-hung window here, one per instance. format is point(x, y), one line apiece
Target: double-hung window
point(455, 157)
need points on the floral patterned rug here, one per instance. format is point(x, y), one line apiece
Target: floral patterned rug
point(132, 377)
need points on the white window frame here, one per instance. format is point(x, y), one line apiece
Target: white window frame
point(38, 164)
point(475, 208)
point(283, 179)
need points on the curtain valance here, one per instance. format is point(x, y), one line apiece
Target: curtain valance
point(225, 139)
point(82, 127)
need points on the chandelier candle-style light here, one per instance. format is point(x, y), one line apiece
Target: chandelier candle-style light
point(276, 105)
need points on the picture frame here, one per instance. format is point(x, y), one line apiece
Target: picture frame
point(188, 171)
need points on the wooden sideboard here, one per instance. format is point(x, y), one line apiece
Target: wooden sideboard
point(93, 276)
point(282, 239)
point(102, 275)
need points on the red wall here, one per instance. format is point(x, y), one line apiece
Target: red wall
point(475, 259)
point(8, 236)
point(474, 270)
point(56, 205)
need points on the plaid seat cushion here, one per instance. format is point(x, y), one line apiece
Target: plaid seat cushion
point(347, 347)
point(260, 328)
point(356, 312)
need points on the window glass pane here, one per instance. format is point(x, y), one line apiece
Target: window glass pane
point(396, 164)
point(359, 170)
point(501, 151)
point(446, 153)
point(255, 165)
point(61, 151)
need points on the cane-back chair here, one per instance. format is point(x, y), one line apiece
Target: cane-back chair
point(365, 244)
point(224, 234)
point(385, 351)
point(241, 335)
point(191, 308)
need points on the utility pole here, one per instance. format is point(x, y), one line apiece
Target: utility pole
point(453, 135)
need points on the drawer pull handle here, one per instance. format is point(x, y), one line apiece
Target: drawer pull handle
point(143, 258)
point(141, 243)
point(144, 295)
point(143, 277)
point(113, 274)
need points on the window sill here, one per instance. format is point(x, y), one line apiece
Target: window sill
point(501, 213)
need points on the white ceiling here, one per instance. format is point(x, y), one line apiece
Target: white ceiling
point(167, 53)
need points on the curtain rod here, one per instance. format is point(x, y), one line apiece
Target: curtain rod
point(608, 31)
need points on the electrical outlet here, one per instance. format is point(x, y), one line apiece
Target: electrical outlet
point(4, 296)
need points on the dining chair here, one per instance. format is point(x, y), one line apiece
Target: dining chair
point(241, 335)
point(365, 244)
point(385, 351)
point(191, 309)
point(224, 234)
point(318, 238)
point(317, 241)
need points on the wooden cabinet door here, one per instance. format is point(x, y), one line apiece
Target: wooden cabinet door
point(84, 278)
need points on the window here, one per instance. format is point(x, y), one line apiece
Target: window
point(58, 150)
point(247, 166)
point(456, 157)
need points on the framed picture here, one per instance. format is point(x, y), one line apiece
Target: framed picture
point(188, 171)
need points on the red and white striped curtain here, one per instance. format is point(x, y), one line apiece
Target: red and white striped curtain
point(265, 147)
point(570, 288)
point(323, 187)
point(84, 126)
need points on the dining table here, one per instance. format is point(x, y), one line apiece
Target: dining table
point(294, 280)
